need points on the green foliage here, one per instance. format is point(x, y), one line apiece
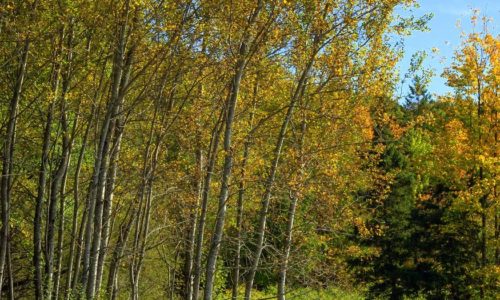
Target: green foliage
point(305, 294)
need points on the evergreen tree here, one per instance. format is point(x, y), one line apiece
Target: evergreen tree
point(418, 97)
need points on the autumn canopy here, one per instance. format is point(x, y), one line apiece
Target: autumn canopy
point(252, 149)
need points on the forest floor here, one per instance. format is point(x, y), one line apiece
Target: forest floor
point(303, 294)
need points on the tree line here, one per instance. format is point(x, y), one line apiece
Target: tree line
point(191, 149)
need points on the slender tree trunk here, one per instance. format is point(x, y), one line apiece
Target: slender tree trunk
point(134, 269)
point(77, 235)
point(8, 158)
point(90, 250)
point(76, 203)
point(212, 158)
point(118, 253)
point(66, 155)
point(224, 192)
point(270, 179)
point(189, 261)
point(495, 193)
point(239, 209)
point(497, 230)
point(239, 222)
point(145, 231)
point(51, 222)
point(76, 286)
point(101, 238)
point(194, 264)
point(288, 244)
point(58, 174)
point(77, 232)
point(108, 202)
point(9, 271)
point(142, 222)
point(37, 222)
point(65, 163)
point(108, 166)
point(484, 198)
point(294, 197)
point(94, 217)
point(60, 237)
point(115, 129)
point(8, 150)
point(134, 219)
point(135, 266)
point(41, 189)
point(228, 158)
point(98, 216)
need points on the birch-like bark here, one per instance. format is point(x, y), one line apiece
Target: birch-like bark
point(37, 222)
point(8, 157)
point(212, 158)
point(124, 232)
point(103, 204)
point(77, 231)
point(52, 214)
point(228, 158)
point(193, 219)
point(108, 202)
point(271, 176)
point(68, 140)
point(228, 164)
point(94, 216)
point(54, 81)
point(287, 247)
point(142, 221)
point(67, 150)
point(10, 273)
point(8, 149)
point(60, 236)
point(76, 204)
point(57, 176)
point(294, 197)
point(240, 204)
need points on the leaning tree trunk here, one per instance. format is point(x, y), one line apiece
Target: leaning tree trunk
point(228, 158)
point(65, 163)
point(66, 156)
point(77, 235)
point(212, 158)
point(241, 193)
point(224, 192)
point(114, 264)
point(142, 221)
point(193, 219)
point(272, 174)
point(57, 177)
point(96, 189)
point(103, 203)
point(294, 197)
point(74, 224)
point(37, 222)
point(288, 244)
point(8, 158)
point(108, 203)
point(9, 272)
point(8, 150)
point(51, 218)
point(144, 209)
point(239, 222)
point(139, 220)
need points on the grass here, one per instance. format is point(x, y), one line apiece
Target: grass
point(300, 294)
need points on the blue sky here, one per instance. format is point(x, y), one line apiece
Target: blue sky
point(444, 33)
